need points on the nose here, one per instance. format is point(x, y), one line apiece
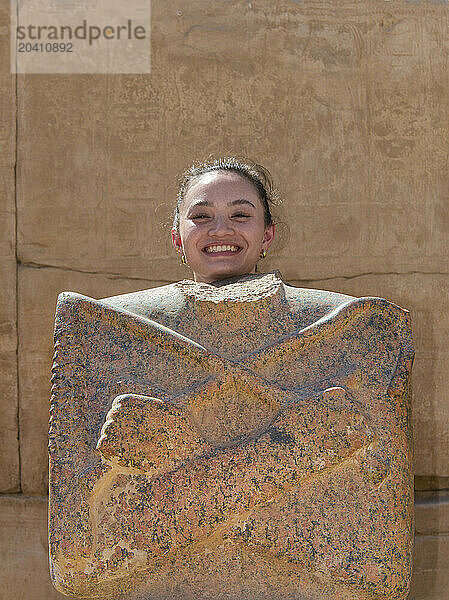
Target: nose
point(221, 226)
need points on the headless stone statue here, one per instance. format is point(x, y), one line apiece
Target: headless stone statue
point(238, 440)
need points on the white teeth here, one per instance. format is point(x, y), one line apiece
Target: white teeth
point(221, 248)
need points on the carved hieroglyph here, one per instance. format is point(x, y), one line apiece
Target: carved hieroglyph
point(247, 440)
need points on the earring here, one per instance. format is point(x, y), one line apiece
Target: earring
point(263, 253)
point(182, 260)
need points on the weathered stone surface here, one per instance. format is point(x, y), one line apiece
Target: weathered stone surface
point(38, 291)
point(431, 557)
point(23, 539)
point(9, 443)
point(24, 565)
point(430, 483)
point(427, 298)
point(432, 513)
point(251, 433)
point(345, 105)
point(430, 569)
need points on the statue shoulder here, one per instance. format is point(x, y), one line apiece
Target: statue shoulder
point(149, 303)
point(320, 297)
point(313, 304)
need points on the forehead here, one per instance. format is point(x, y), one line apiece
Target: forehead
point(220, 186)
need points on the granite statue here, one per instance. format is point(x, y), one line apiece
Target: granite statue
point(251, 433)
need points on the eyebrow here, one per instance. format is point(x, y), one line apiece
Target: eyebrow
point(233, 203)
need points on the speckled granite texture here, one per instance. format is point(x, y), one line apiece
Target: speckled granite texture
point(241, 441)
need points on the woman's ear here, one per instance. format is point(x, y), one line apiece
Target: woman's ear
point(268, 236)
point(176, 240)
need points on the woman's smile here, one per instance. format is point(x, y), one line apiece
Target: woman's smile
point(222, 250)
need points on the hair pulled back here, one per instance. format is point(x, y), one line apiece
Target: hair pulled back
point(258, 175)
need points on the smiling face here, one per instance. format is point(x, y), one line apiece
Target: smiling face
point(222, 229)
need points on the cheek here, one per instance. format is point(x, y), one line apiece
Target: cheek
point(186, 231)
point(255, 234)
point(189, 238)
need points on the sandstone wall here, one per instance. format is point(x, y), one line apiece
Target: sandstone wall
point(346, 102)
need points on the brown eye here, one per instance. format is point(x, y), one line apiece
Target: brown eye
point(194, 217)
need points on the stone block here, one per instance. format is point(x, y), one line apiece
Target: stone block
point(432, 513)
point(427, 298)
point(4, 39)
point(430, 579)
point(9, 445)
point(248, 432)
point(9, 433)
point(354, 137)
point(431, 483)
point(24, 572)
point(38, 291)
point(65, 171)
